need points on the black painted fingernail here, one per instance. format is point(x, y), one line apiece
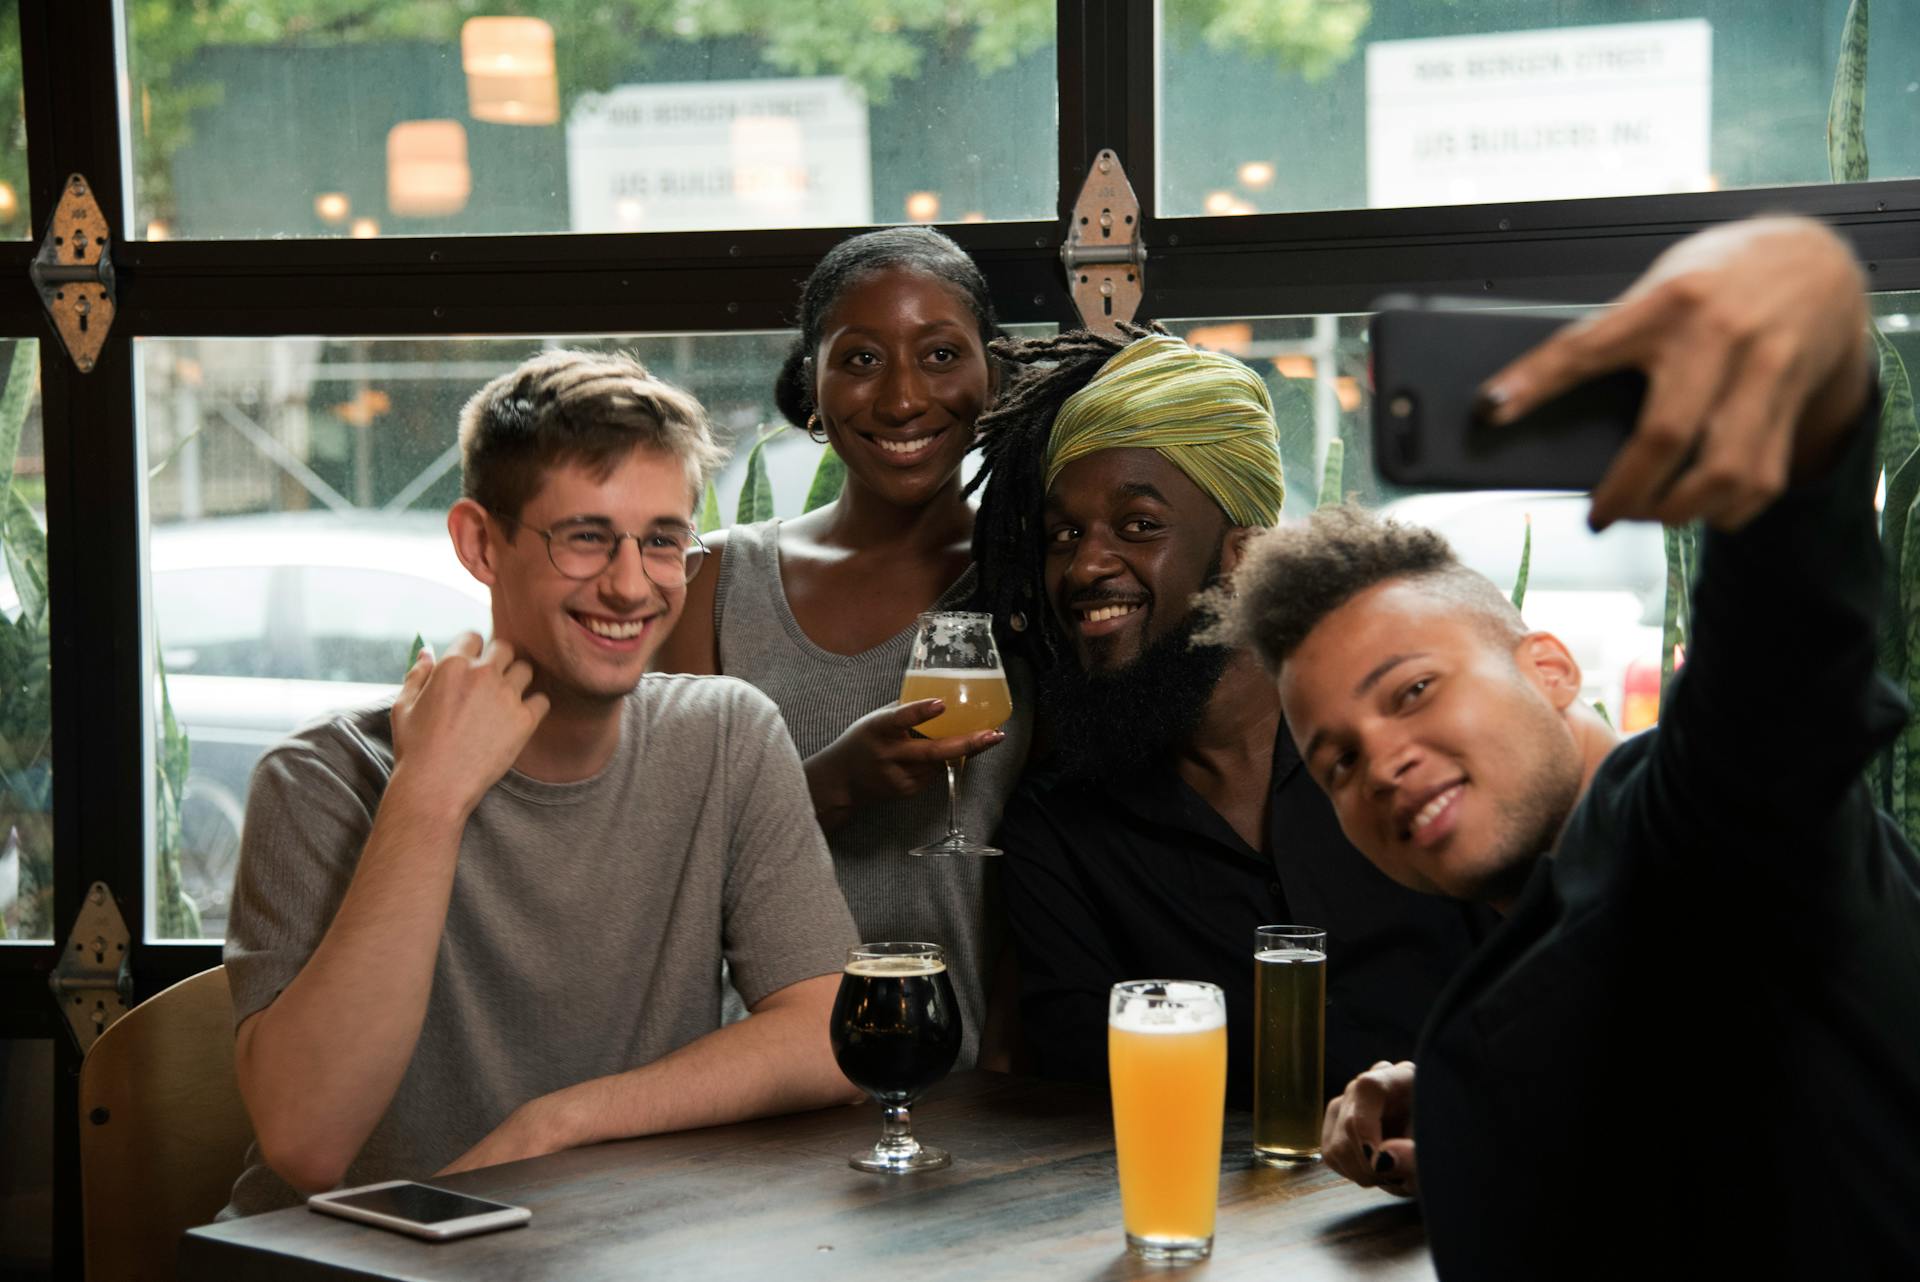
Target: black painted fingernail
point(1366, 1151)
point(1383, 1163)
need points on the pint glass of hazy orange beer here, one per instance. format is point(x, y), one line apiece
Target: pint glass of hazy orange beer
point(1167, 1057)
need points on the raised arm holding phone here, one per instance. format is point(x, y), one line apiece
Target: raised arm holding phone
point(1689, 1047)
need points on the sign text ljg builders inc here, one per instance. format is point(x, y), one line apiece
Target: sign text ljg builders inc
point(1540, 115)
point(720, 153)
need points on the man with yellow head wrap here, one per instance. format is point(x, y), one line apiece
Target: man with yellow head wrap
point(1170, 816)
point(1207, 414)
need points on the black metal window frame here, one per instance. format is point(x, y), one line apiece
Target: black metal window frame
point(1279, 264)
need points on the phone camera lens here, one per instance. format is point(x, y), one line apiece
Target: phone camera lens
point(1403, 434)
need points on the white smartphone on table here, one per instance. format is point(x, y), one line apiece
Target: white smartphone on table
point(419, 1209)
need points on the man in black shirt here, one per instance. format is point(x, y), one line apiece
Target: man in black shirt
point(1177, 818)
point(1691, 1049)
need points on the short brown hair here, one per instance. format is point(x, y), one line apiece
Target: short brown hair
point(1294, 577)
point(568, 406)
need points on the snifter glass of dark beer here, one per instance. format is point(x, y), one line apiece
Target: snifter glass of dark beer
point(1290, 1047)
point(895, 1032)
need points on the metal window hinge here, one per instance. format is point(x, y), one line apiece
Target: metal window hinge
point(1103, 253)
point(92, 982)
point(73, 273)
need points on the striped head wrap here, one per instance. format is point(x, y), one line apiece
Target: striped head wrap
point(1207, 414)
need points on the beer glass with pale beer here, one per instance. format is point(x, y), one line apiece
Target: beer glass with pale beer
point(1167, 1058)
point(1290, 1047)
point(895, 1031)
point(954, 659)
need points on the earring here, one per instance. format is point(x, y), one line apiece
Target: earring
point(815, 433)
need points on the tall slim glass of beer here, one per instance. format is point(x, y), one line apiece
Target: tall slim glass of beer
point(1290, 1046)
point(1167, 1058)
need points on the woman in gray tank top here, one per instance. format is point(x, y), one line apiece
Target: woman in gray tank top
point(891, 369)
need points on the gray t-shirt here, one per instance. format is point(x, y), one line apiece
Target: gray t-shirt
point(588, 920)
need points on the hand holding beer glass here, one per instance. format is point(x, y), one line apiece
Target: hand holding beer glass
point(896, 1031)
point(954, 660)
point(1167, 1057)
point(1290, 1047)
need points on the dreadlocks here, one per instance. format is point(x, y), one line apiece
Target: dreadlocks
point(1013, 462)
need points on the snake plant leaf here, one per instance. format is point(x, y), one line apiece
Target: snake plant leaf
point(1900, 460)
point(25, 545)
point(1332, 472)
point(827, 479)
point(1900, 457)
point(413, 651)
point(1682, 547)
point(710, 511)
point(176, 916)
point(21, 368)
point(1899, 433)
point(1847, 109)
point(756, 492)
point(1526, 565)
point(1903, 794)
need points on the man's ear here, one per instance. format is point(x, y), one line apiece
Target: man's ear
point(1234, 549)
point(1545, 660)
point(472, 540)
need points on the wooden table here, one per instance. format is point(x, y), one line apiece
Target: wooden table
point(1032, 1192)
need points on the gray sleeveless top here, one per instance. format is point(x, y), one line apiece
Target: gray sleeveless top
point(953, 902)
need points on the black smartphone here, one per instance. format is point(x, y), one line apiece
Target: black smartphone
point(1430, 356)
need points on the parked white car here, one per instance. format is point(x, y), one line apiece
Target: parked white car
point(1602, 594)
point(268, 622)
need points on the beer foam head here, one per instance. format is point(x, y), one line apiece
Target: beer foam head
point(1167, 1006)
point(895, 967)
point(1290, 956)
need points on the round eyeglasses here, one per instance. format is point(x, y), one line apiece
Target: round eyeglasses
point(583, 548)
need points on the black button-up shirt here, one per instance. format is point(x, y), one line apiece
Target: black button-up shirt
point(1139, 878)
point(1692, 1050)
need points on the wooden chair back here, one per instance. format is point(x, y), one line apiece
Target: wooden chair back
point(163, 1134)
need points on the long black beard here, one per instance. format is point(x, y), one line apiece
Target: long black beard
point(1105, 724)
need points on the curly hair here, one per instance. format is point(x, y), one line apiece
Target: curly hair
point(1292, 578)
point(1012, 478)
point(918, 249)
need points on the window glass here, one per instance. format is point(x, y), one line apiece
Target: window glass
point(26, 748)
point(1383, 103)
point(1604, 594)
point(14, 222)
point(439, 117)
point(297, 544)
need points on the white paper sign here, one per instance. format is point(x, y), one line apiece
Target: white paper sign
point(1540, 115)
point(720, 153)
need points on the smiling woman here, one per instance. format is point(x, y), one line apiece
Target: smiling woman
point(891, 370)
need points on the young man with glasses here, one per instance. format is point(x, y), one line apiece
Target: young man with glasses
point(486, 921)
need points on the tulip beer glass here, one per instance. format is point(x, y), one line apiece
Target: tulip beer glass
point(896, 1031)
point(1167, 1057)
point(1290, 1046)
point(954, 659)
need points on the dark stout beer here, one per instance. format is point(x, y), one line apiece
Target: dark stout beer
point(896, 1026)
